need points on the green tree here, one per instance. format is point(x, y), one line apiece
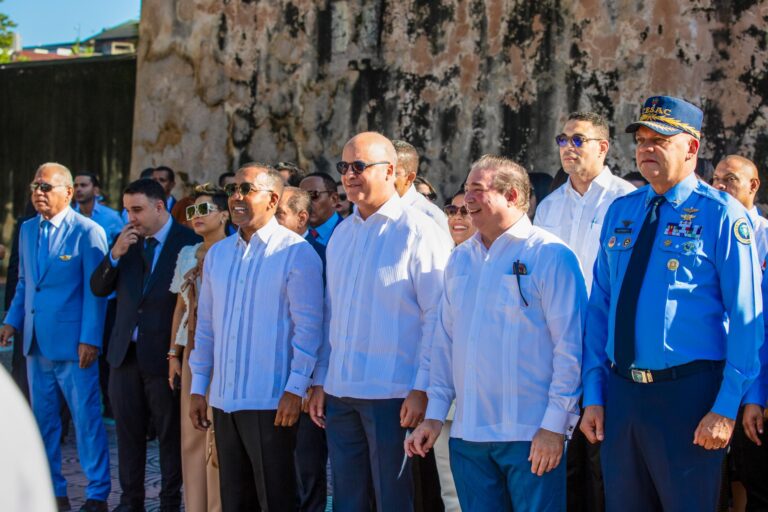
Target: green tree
point(6, 37)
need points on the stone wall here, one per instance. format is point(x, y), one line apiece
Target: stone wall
point(221, 82)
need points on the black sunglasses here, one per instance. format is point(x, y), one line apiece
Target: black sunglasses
point(43, 186)
point(315, 194)
point(342, 197)
point(200, 210)
point(451, 210)
point(358, 166)
point(244, 188)
point(577, 140)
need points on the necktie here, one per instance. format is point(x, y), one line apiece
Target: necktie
point(43, 250)
point(148, 256)
point(626, 307)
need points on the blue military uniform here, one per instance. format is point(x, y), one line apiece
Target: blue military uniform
point(698, 329)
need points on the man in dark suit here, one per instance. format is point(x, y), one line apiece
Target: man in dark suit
point(139, 267)
point(323, 217)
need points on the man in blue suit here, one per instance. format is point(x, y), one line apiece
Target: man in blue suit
point(63, 323)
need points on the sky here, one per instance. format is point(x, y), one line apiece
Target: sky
point(61, 21)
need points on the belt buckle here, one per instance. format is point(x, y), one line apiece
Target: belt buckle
point(641, 376)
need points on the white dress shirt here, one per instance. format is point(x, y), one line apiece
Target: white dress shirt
point(416, 200)
point(577, 219)
point(385, 278)
point(760, 227)
point(517, 348)
point(259, 319)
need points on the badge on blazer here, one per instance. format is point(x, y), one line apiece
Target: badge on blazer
point(673, 264)
point(65, 257)
point(742, 232)
point(612, 241)
point(627, 241)
point(689, 247)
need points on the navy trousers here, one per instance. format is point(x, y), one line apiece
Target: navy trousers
point(648, 456)
point(311, 459)
point(365, 443)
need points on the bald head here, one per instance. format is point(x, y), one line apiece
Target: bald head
point(738, 177)
point(375, 185)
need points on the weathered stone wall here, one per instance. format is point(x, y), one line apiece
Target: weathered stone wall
point(221, 82)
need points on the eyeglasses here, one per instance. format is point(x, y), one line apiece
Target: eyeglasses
point(577, 140)
point(315, 194)
point(43, 186)
point(244, 188)
point(452, 210)
point(342, 197)
point(432, 196)
point(200, 210)
point(358, 166)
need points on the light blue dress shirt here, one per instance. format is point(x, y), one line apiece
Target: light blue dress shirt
point(107, 218)
point(325, 230)
point(703, 270)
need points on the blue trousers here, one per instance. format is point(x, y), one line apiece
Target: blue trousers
point(497, 476)
point(80, 389)
point(648, 456)
point(365, 444)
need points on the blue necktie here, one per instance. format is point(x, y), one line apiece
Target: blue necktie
point(148, 255)
point(43, 249)
point(626, 306)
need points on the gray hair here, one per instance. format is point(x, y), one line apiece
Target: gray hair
point(508, 175)
point(60, 170)
point(299, 200)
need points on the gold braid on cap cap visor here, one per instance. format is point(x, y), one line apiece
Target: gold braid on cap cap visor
point(671, 121)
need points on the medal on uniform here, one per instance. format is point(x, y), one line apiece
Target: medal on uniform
point(689, 247)
point(627, 241)
point(672, 264)
point(612, 241)
point(667, 242)
point(690, 210)
point(742, 232)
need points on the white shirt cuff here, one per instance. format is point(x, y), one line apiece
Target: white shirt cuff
point(559, 421)
point(437, 409)
point(298, 384)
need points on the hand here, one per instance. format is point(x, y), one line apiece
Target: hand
point(593, 423)
point(317, 406)
point(198, 412)
point(753, 423)
point(413, 409)
point(305, 402)
point(6, 333)
point(546, 451)
point(128, 236)
point(714, 431)
point(288, 410)
point(88, 354)
point(423, 438)
point(174, 369)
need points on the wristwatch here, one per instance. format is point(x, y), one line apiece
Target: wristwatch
point(172, 354)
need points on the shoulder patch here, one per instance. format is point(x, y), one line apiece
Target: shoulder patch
point(742, 232)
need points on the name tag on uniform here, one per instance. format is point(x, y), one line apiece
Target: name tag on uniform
point(622, 231)
point(684, 229)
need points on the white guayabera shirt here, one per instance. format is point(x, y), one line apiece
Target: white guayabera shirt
point(507, 344)
point(385, 278)
point(577, 220)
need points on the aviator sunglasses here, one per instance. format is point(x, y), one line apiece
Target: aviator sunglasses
point(577, 140)
point(43, 186)
point(244, 188)
point(358, 166)
point(200, 210)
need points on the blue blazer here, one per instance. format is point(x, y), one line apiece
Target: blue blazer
point(55, 302)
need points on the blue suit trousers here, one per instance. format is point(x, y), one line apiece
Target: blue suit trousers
point(48, 380)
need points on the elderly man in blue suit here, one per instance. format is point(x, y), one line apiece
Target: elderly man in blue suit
point(63, 324)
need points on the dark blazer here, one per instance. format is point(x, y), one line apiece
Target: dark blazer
point(151, 310)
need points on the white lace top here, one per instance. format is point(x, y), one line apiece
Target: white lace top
point(185, 262)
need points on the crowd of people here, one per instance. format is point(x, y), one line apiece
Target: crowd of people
point(596, 348)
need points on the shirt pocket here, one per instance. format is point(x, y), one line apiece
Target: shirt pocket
point(619, 249)
point(683, 257)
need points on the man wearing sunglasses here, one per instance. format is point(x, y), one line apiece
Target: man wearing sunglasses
point(323, 217)
point(63, 323)
point(405, 173)
point(385, 265)
point(574, 212)
point(259, 330)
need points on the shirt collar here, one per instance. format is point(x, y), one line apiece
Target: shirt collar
point(57, 219)
point(678, 194)
point(411, 196)
point(325, 229)
point(162, 233)
point(97, 206)
point(392, 209)
point(601, 181)
point(520, 230)
point(261, 235)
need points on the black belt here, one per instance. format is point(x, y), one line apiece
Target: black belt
point(676, 372)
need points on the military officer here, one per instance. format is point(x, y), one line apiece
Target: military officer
point(662, 376)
